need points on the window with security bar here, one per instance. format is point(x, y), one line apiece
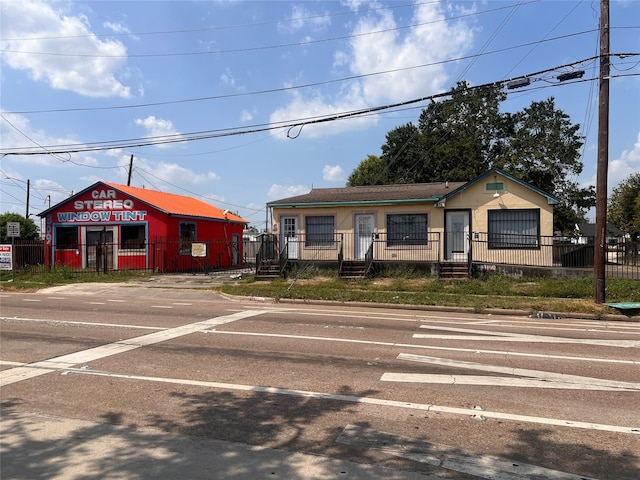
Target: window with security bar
point(514, 228)
point(66, 238)
point(407, 229)
point(320, 231)
point(187, 237)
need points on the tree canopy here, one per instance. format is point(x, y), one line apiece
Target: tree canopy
point(624, 206)
point(28, 228)
point(461, 137)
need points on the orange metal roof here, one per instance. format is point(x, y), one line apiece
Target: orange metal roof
point(177, 204)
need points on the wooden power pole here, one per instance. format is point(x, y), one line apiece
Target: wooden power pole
point(130, 170)
point(600, 247)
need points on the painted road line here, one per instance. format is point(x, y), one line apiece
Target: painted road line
point(430, 347)
point(520, 337)
point(520, 372)
point(31, 300)
point(365, 401)
point(533, 339)
point(450, 458)
point(96, 303)
point(35, 369)
point(183, 304)
point(88, 324)
point(13, 364)
point(113, 300)
point(160, 306)
point(485, 380)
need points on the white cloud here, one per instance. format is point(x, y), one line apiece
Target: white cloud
point(17, 134)
point(116, 27)
point(284, 191)
point(158, 127)
point(626, 164)
point(158, 172)
point(246, 116)
point(227, 78)
point(432, 41)
point(321, 106)
point(301, 18)
point(38, 32)
point(333, 173)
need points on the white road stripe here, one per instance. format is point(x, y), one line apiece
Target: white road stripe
point(31, 300)
point(533, 339)
point(35, 369)
point(521, 372)
point(367, 401)
point(484, 380)
point(456, 459)
point(89, 324)
point(160, 306)
point(521, 337)
point(430, 347)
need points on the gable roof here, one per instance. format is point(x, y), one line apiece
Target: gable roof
point(395, 194)
point(371, 194)
point(169, 203)
point(551, 199)
point(589, 230)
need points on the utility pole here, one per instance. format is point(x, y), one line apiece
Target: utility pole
point(130, 169)
point(600, 247)
point(26, 215)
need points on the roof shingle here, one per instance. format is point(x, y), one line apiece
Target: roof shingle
point(372, 193)
point(173, 204)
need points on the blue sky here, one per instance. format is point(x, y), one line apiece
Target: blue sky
point(122, 73)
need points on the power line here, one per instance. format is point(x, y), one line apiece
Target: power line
point(257, 48)
point(296, 87)
point(223, 27)
point(232, 131)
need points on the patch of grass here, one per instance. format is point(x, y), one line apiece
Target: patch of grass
point(495, 291)
point(62, 276)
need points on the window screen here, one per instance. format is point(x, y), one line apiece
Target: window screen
point(320, 231)
point(514, 228)
point(407, 229)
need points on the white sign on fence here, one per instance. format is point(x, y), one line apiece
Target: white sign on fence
point(13, 229)
point(6, 257)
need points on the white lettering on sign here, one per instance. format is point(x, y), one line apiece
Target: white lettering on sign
point(103, 200)
point(103, 194)
point(127, 216)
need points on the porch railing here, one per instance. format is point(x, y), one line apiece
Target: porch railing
point(623, 259)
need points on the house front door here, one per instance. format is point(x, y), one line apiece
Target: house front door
point(364, 235)
point(456, 236)
point(289, 236)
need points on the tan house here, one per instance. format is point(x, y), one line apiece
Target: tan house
point(493, 219)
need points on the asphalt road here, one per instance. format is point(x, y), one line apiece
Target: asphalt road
point(131, 381)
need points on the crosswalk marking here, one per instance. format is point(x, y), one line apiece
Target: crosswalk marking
point(36, 369)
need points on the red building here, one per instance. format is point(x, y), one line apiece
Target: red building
point(116, 227)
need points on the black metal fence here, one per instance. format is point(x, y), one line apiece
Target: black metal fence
point(623, 259)
point(159, 256)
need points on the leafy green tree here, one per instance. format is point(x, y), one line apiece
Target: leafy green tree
point(544, 150)
point(624, 206)
point(461, 137)
point(370, 172)
point(28, 229)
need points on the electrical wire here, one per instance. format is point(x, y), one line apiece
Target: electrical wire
point(233, 131)
point(296, 87)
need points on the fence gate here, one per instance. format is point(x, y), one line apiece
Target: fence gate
point(99, 250)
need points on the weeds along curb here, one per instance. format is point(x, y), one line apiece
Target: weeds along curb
point(431, 308)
